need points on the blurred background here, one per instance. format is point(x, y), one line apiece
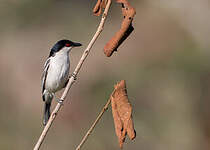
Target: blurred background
point(165, 63)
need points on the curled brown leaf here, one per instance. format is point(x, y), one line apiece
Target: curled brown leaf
point(128, 13)
point(122, 113)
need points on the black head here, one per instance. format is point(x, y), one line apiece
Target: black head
point(61, 44)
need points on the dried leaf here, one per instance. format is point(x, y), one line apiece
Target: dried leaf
point(122, 113)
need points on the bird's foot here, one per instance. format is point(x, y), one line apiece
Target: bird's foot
point(60, 101)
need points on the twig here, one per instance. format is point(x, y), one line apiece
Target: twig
point(71, 80)
point(93, 125)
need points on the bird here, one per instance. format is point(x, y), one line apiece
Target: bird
point(56, 73)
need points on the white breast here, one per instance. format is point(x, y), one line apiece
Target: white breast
point(58, 71)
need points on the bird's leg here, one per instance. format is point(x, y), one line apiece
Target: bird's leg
point(60, 101)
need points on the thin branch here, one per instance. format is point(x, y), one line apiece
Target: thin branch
point(71, 80)
point(93, 125)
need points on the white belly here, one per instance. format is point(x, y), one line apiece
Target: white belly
point(58, 73)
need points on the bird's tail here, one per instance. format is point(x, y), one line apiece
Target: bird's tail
point(46, 112)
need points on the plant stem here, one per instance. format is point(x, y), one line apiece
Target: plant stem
point(93, 125)
point(72, 80)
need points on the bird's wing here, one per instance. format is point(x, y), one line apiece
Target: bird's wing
point(44, 75)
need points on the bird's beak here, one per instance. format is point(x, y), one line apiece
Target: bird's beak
point(76, 44)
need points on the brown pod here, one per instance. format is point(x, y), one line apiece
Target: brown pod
point(128, 13)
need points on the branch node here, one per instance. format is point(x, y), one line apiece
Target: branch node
point(74, 75)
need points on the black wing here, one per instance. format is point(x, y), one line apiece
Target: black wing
point(44, 76)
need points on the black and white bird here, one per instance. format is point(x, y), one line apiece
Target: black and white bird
point(56, 73)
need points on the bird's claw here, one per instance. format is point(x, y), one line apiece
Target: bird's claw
point(60, 101)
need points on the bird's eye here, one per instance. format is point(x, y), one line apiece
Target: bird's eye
point(68, 45)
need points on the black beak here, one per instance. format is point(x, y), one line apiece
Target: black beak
point(76, 44)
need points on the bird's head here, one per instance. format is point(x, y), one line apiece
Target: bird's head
point(63, 45)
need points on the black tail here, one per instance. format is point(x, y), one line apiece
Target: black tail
point(46, 113)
